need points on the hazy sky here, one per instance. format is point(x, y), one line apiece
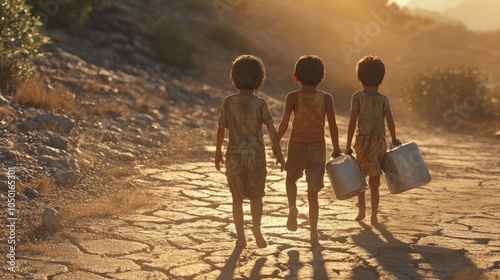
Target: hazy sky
point(434, 5)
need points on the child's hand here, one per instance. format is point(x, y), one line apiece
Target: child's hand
point(281, 161)
point(348, 151)
point(396, 142)
point(219, 159)
point(335, 154)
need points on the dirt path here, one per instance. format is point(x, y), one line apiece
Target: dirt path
point(449, 228)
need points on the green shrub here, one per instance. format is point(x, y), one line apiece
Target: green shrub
point(171, 45)
point(20, 41)
point(71, 14)
point(450, 95)
point(224, 35)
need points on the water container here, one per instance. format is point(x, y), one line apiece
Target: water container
point(346, 176)
point(404, 168)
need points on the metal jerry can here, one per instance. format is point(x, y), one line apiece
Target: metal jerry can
point(404, 168)
point(346, 176)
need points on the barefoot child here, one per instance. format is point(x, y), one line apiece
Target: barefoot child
point(243, 114)
point(306, 147)
point(369, 108)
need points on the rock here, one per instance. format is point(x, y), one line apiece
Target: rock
point(191, 124)
point(57, 141)
point(6, 153)
point(109, 137)
point(66, 177)
point(23, 147)
point(29, 126)
point(31, 193)
point(31, 113)
point(62, 163)
point(46, 150)
point(122, 156)
point(162, 137)
point(51, 218)
point(119, 37)
point(60, 122)
point(3, 101)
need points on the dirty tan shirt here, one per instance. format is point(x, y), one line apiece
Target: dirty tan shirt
point(244, 115)
point(308, 125)
point(371, 110)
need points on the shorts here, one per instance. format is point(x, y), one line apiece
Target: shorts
point(246, 173)
point(310, 157)
point(370, 151)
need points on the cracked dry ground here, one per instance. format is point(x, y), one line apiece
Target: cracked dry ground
point(449, 228)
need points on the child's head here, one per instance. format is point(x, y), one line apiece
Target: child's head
point(248, 72)
point(370, 70)
point(309, 70)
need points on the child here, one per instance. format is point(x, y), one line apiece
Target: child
point(306, 147)
point(243, 114)
point(369, 108)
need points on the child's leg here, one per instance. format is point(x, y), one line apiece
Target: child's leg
point(291, 193)
point(238, 221)
point(361, 206)
point(374, 183)
point(256, 210)
point(312, 198)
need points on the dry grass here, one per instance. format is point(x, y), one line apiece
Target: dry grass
point(4, 111)
point(34, 93)
point(108, 205)
point(44, 185)
point(109, 110)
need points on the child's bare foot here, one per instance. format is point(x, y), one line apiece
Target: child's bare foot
point(259, 239)
point(374, 220)
point(361, 215)
point(291, 223)
point(241, 242)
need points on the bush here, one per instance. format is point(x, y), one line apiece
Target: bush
point(71, 14)
point(20, 41)
point(450, 95)
point(224, 35)
point(171, 45)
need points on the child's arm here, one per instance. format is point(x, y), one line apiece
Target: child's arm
point(332, 123)
point(350, 131)
point(218, 148)
point(285, 119)
point(273, 134)
point(287, 113)
point(391, 125)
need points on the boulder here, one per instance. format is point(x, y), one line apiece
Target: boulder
point(29, 126)
point(51, 218)
point(46, 150)
point(66, 177)
point(57, 141)
point(61, 123)
point(31, 193)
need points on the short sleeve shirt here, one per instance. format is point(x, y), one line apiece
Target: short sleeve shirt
point(371, 110)
point(244, 115)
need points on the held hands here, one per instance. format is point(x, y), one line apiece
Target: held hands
point(280, 160)
point(219, 159)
